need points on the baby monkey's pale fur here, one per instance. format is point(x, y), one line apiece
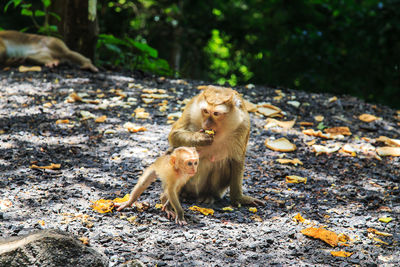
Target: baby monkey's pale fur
point(17, 47)
point(174, 171)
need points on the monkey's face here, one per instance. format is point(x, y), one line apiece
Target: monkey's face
point(213, 115)
point(190, 165)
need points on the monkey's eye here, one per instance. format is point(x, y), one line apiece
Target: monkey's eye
point(195, 163)
point(216, 114)
point(190, 163)
point(205, 111)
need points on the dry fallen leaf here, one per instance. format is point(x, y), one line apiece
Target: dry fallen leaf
point(268, 110)
point(325, 235)
point(319, 118)
point(103, 205)
point(380, 241)
point(140, 113)
point(256, 218)
point(62, 121)
point(312, 132)
point(374, 231)
point(385, 219)
point(332, 99)
point(367, 118)
point(274, 123)
point(306, 123)
point(250, 107)
point(26, 69)
point(120, 200)
point(204, 211)
point(101, 119)
point(338, 130)
point(281, 145)
point(84, 240)
point(291, 161)
point(227, 208)
point(133, 128)
point(326, 149)
point(388, 151)
point(388, 141)
point(52, 166)
point(74, 97)
point(341, 253)
point(5, 204)
point(294, 179)
point(298, 218)
point(159, 206)
point(253, 209)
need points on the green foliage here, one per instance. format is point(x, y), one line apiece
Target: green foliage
point(28, 10)
point(131, 54)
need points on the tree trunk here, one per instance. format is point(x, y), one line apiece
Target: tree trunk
point(78, 32)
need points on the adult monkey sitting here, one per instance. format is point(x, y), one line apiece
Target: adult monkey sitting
point(217, 123)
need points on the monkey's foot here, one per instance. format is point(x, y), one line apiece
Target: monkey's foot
point(247, 200)
point(52, 64)
point(206, 199)
point(180, 222)
point(90, 67)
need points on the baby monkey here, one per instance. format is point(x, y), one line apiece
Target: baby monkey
point(174, 171)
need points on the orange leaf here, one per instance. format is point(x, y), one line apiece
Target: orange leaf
point(120, 200)
point(325, 235)
point(298, 218)
point(341, 253)
point(52, 166)
point(367, 118)
point(205, 211)
point(101, 119)
point(103, 205)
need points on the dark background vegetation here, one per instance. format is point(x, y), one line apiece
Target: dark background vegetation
point(337, 46)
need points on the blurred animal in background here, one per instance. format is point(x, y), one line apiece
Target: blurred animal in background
point(17, 47)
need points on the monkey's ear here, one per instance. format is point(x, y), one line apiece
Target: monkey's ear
point(237, 101)
point(172, 160)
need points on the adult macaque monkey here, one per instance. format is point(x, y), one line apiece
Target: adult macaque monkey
point(174, 170)
point(216, 122)
point(19, 47)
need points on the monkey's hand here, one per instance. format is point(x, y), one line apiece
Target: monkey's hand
point(123, 205)
point(247, 200)
point(202, 139)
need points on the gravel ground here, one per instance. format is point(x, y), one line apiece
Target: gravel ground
point(102, 160)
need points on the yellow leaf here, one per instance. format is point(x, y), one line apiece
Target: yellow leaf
point(101, 119)
point(341, 253)
point(325, 235)
point(103, 205)
point(367, 118)
point(120, 200)
point(205, 211)
point(319, 118)
point(294, 179)
point(385, 219)
point(372, 230)
point(52, 166)
point(298, 218)
point(253, 209)
point(41, 222)
point(281, 145)
point(291, 161)
point(227, 209)
point(26, 69)
point(62, 121)
point(343, 238)
point(84, 240)
point(380, 241)
point(47, 105)
point(159, 206)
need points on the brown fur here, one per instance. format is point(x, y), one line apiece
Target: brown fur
point(222, 155)
point(20, 47)
point(174, 170)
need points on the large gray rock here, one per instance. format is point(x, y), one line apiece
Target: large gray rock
point(48, 248)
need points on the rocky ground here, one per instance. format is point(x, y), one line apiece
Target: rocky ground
point(347, 193)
